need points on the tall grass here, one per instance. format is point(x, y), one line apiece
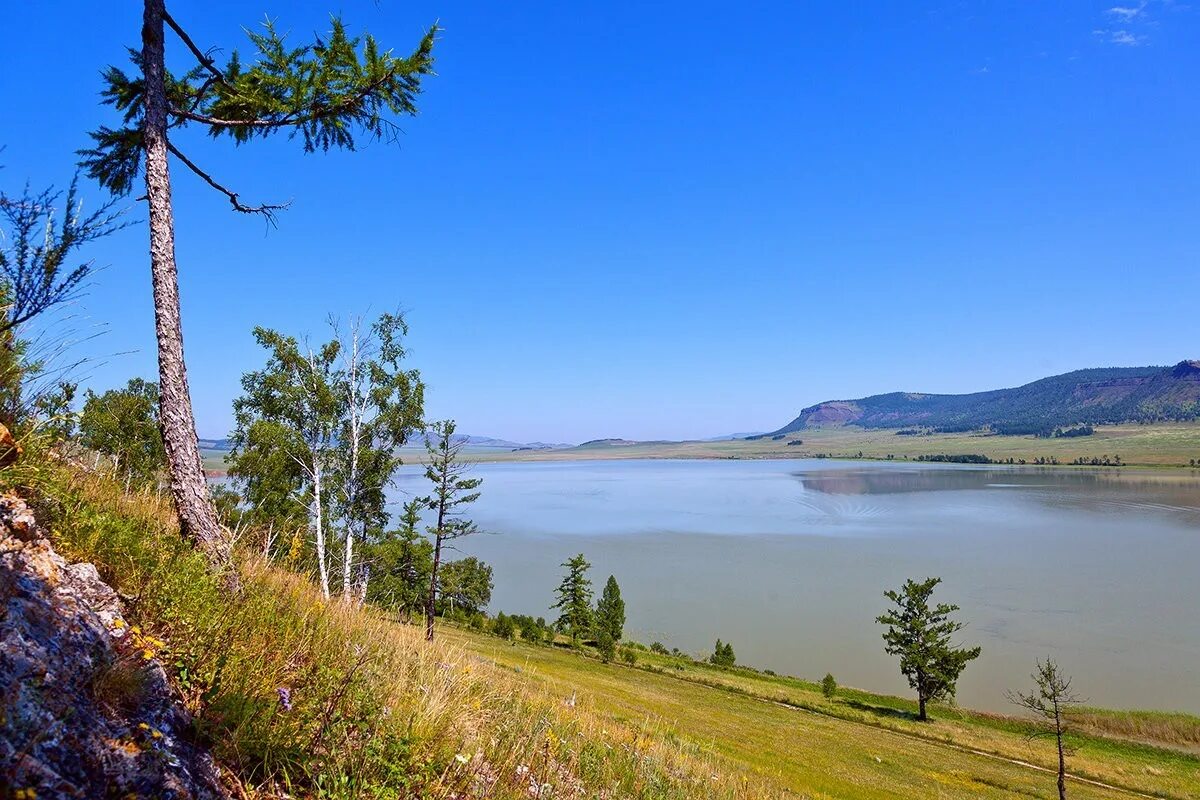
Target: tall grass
point(310, 698)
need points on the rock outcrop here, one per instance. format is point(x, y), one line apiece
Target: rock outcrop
point(87, 708)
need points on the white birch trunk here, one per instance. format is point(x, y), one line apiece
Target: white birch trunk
point(322, 569)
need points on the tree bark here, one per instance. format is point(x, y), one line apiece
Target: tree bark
point(437, 560)
point(189, 489)
point(922, 715)
point(1062, 760)
point(318, 518)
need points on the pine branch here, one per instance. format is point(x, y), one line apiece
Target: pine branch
point(267, 210)
point(204, 59)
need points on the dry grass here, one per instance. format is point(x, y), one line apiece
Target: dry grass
point(1157, 727)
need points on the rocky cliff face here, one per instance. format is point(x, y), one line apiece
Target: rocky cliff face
point(87, 708)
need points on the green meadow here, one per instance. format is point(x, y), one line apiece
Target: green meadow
point(784, 733)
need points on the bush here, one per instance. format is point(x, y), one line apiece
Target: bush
point(504, 627)
point(829, 685)
point(629, 656)
point(660, 648)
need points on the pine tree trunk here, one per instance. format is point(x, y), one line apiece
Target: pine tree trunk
point(430, 600)
point(189, 489)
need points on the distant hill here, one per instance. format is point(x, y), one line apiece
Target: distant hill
point(504, 444)
point(1086, 396)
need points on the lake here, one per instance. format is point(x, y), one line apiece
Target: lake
point(788, 561)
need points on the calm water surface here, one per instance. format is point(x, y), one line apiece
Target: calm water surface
point(788, 561)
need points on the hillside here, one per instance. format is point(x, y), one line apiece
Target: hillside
point(296, 697)
point(1087, 396)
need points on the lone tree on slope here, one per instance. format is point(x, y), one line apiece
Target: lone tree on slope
point(1050, 701)
point(326, 93)
point(920, 635)
point(450, 490)
point(575, 599)
point(610, 619)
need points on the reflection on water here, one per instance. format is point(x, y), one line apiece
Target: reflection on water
point(789, 559)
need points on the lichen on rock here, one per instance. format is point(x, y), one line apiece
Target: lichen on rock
point(88, 710)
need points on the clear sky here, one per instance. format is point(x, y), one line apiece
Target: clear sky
point(677, 219)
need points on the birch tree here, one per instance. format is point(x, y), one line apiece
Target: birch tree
point(380, 405)
point(327, 94)
point(291, 405)
point(451, 491)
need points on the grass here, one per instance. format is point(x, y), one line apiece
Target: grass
point(373, 710)
point(858, 744)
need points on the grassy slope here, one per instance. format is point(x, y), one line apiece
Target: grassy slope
point(858, 745)
point(1161, 445)
point(375, 711)
point(379, 713)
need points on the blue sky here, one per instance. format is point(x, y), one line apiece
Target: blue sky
point(677, 220)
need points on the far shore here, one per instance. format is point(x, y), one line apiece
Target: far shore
point(1162, 447)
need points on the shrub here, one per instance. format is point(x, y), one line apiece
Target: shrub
point(829, 685)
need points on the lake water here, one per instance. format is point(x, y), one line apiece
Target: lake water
point(788, 561)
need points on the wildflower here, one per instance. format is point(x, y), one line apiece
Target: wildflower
point(25, 794)
point(118, 623)
point(285, 698)
point(460, 758)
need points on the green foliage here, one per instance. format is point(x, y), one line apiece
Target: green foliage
point(610, 619)
point(451, 489)
point(723, 655)
point(401, 561)
point(504, 627)
point(39, 268)
point(123, 424)
point(327, 93)
point(829, 686)
point(263, 463)
point(380, 405)
point(53, 409)
point(575, 599)
point(228, 504)
point(465, 584)
point(659, 648)
point(285, 424)
point(920, 634)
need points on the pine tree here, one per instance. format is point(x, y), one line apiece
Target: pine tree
point(327, 93)
point(723, 655)
point(450, 490)
point(401, 563)
point(921, 636)
point(610, 619)
point(575, 599)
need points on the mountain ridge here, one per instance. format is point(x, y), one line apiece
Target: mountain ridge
point(1104, 395)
